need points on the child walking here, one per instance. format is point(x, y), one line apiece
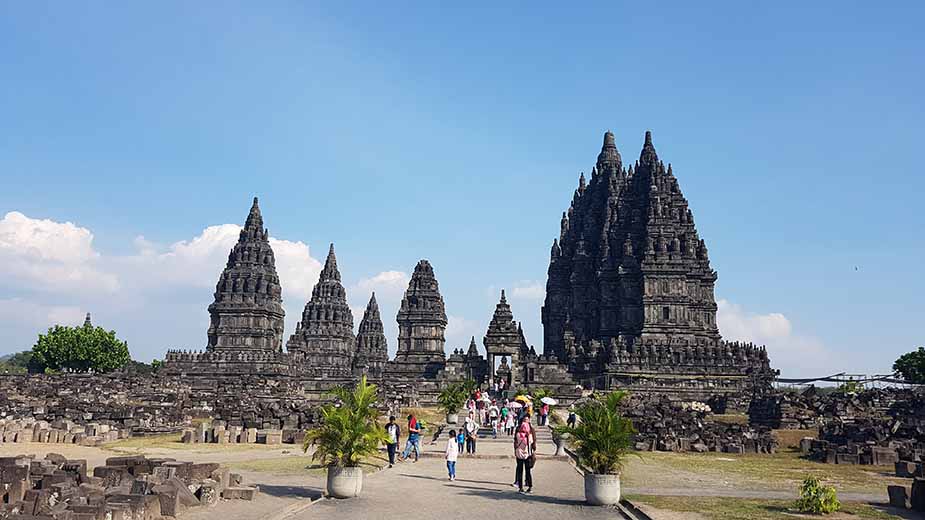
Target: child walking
point(452, 453)
point(461, 439)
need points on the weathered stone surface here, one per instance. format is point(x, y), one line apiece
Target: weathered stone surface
point(899, 496)
point(323, 342)
point(372, 346)
point(629, 294)
point(421, 327)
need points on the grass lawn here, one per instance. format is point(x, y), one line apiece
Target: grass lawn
point(753, 509)
point(172, 441)
point(300, 464)
point(781, 471)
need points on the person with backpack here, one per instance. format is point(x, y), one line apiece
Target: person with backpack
point(394, 432)
point(525, 453)
point(414, 440)
point(452, 453)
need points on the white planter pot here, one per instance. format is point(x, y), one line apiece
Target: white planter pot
point(452, 418)
point(344, 482)
point(602, 490)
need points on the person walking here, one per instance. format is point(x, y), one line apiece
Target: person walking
point(394, 432)
point(461, 440)
point(472, 431)
point(452, 453)
point(572, 418)
point(525, 453)
point(509, 424)
point(544, 414)
point(414, 440)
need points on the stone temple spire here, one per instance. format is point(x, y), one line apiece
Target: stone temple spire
point(609, 158)
point(372, 347)
point(325, 341)
point(473, 348)
point(421, 326)
point(247, 313)
point(87, 322)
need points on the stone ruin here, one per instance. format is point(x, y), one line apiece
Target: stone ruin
point(663, 424)
point(125, 488)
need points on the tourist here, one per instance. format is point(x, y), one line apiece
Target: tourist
point(544, 414)
point(452, 453)
point(493, 414)
point(572, 418)
point(394, 432)
point(414, 440)
point(461, 440)
point(525, 453)
point(472, 431)
point(509, 424)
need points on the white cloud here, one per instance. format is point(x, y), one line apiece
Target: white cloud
point(50, 256)
point(53, 263)
point(387, 283)
point(528, 290)
point(796, 355)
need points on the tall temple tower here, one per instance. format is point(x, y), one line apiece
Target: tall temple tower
point(372, 348)
point(421, 326)
point(504, 338)
point(323, 341)
point(247, 314)
point(629, 264)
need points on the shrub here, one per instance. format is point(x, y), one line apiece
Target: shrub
point(816, 498)
point(603, 438)
point(349, 431)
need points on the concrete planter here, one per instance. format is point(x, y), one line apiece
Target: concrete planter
point(452, 418)
point(602, 490)
point(344, 482)
point(561, 443)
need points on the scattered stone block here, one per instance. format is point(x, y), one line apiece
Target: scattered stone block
point(899, 496)
point(917, 495)
point(240, 493)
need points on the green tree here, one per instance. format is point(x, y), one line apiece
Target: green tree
point(912, 366)
point(17, 363)
point(79, 349)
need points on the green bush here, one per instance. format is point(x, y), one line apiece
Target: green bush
point(816, 498)
point(349, 430)
point(452, 398)
point(79, 349)
point(911, 366)
point(603, 437)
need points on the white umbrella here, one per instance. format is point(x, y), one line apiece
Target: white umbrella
point(515, 405)
point(549, 400)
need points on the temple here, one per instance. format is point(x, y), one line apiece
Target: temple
point(323, 342)
point(629, 304)
point(629, 294)
point(247, 314)
point(372, 347)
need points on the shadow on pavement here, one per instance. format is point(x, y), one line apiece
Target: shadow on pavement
point(290, 491)
point(444, 479)
point(512, 494)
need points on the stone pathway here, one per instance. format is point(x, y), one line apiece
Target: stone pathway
point(482, 490)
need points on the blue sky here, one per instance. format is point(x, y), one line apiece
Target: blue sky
point(403, 131)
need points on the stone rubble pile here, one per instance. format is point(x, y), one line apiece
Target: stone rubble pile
point(877, 426)
point(666, 425)
point(126, 488)
point(60, 431)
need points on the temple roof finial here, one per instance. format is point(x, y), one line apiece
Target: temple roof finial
point(609, 153)
point(330, 266)
point(87, 322)
point(503, 298)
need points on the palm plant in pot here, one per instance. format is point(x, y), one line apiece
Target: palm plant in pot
point(349, 432)
point(451, 399)
point(601, 440)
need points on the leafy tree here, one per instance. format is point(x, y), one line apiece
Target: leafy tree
point(17, 363)
point(912, 366)
point(79, 349)
point(350, 429)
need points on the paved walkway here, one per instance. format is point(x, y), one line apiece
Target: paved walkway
point(482, 490)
